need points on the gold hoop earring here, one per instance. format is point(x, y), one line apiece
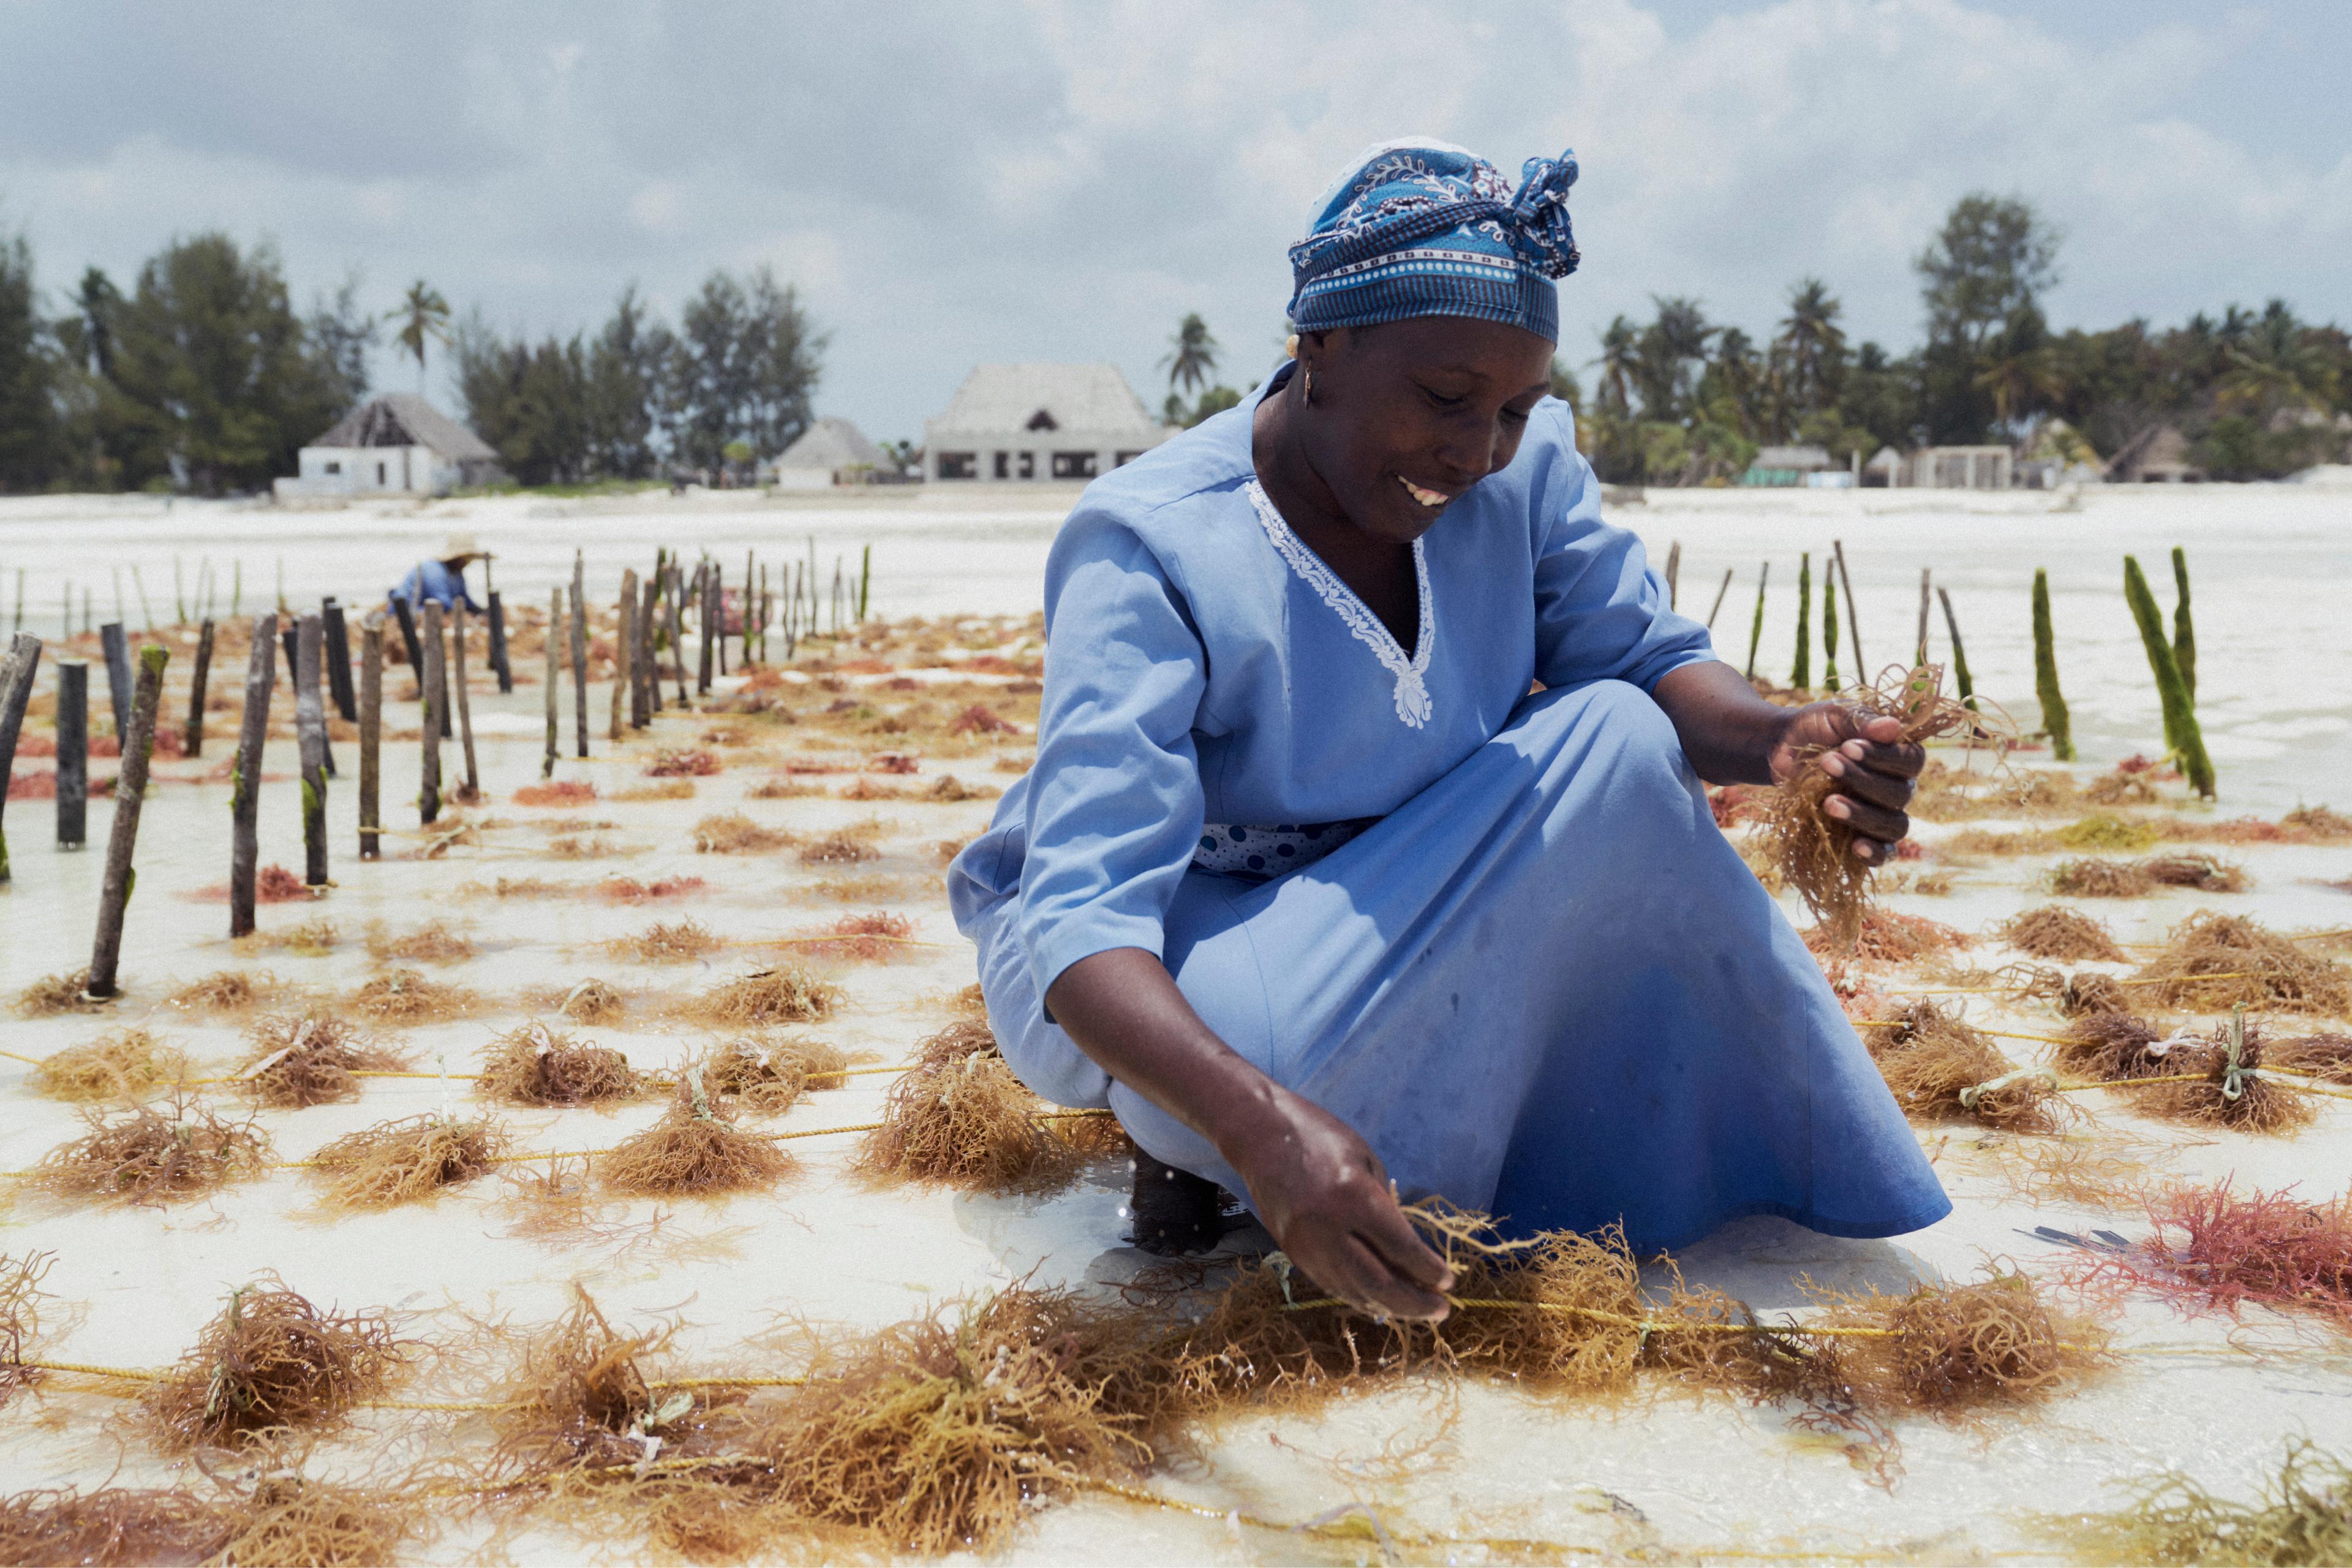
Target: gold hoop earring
point(1307, 387)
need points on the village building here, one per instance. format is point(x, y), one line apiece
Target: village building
point(397, 444)
point(1942, 469)
point(832, 452)
point(1811, 467)
point(1015, 422)
point(2159, 455)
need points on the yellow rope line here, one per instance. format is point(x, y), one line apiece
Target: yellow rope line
point(438, 1404)
point(1358, 1527)
point(727, 1381)
point(129, 1373)
point(28, 1061)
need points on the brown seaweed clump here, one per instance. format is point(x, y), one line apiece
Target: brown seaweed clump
point(121, 1064)
point(840, 848)
point(2301, 1517)
point(2106, 1046)
point(958, 1117)
point(227, 991)
point(145, 1156)
point(113, 1526)
point(406, 1160)
point(1941, 1069)
point(941, 1435)
point(310, 1058)
point(578, 1398)
point(20, 1317)
point(668, 941)
point(2088, 879)
point(732, 833)
point(2055, 931)
point(767, 1077)
point(54, 993)
point(2087, 992)
point(590, 1002)
point(272, 1361)
point(1812, 848)
point(786, 993)
point(1952, 1349)
point(2225, 1249)
point(696, 1147)
point(432, 943)
point(2326, 1055)
point(2213, 962)
point(1888, 936)
point(536, 1065)
point(403, 996)
point(873, 937)
point(2232, 1091)
point(293, 1522)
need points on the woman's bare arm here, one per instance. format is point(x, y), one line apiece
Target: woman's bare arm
point(1317, 1186)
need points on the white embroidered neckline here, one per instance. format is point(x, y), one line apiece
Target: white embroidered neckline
point(1412, 694)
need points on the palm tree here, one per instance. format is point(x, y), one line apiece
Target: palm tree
point(1620, 364)
point(422, 313)
point(2017, 375)
point(1811, 346)
point(1667, 349)
point(97, 301)
point(1193, 359)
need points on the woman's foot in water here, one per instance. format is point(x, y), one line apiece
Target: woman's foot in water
point(1176, 1212)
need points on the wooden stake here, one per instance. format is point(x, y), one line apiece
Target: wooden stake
point(73, 753)
point(1674, 570)
point(1756, 632)
point(1959, 653)
point(464, 705)
point(718, 608)
point(1852, 615)
point(245, 791)
point(750, 584)
point(310, 738)
point(336, 653)
point(703, 578)
point(1719, 593)
point(580, 651)
point(370, 736)
point(554, 683)
point(430, 686)
point(498, 612)
point(1921, 657)
point(677, 632)
point(17, 671)
point(625, 650)
point(122, 840)
point(117, 649)
point(192, 741)
point(406, 614)
point(644, 693)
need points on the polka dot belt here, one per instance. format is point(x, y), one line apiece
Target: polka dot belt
point(1262, 854)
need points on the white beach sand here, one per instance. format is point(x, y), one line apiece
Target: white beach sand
point(1700, 1479)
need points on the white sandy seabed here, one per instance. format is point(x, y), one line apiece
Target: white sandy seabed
point(1699, 1479)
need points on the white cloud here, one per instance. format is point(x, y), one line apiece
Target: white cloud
point(1064, 178)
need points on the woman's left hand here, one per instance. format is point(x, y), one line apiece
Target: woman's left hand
point(1872, 770)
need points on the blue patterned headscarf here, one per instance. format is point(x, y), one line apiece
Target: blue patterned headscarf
point(1418, 227)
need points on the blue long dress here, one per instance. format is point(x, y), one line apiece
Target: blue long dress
point(1532, 975)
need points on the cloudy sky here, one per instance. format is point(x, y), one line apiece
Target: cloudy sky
point(1063, 179)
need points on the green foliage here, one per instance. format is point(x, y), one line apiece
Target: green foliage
point(2183, 738)
point(1991, 259)
point(28, 435)
point(217, 379)
point(1215, 400)
point(2054, 722)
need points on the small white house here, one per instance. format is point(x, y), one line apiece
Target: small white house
point(394, 445)
point(832, 452)
point(1014, 422)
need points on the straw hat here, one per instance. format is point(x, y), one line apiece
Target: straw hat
point(461, 547)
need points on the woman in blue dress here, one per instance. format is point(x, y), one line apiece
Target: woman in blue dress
point(1308, 888)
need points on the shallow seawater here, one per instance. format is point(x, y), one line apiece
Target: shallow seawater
point(1432, 1456)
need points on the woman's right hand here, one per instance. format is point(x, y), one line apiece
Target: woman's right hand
point(1316, 1185)
point(1323, 1193)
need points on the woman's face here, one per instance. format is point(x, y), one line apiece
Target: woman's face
point(1407, 415)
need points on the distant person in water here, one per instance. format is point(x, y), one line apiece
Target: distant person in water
point(442, 580)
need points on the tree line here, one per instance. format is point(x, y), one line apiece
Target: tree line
point(1679, 399)
point(205, 376)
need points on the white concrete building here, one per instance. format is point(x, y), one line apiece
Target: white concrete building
point(394, 445)
point(1014, 422)
point(1943, 468)
point(831, 452)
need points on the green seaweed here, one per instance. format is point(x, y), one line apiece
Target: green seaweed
point(2184, 630)
point(2055, 722)
point(1801, 675)
point(2183, 738)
